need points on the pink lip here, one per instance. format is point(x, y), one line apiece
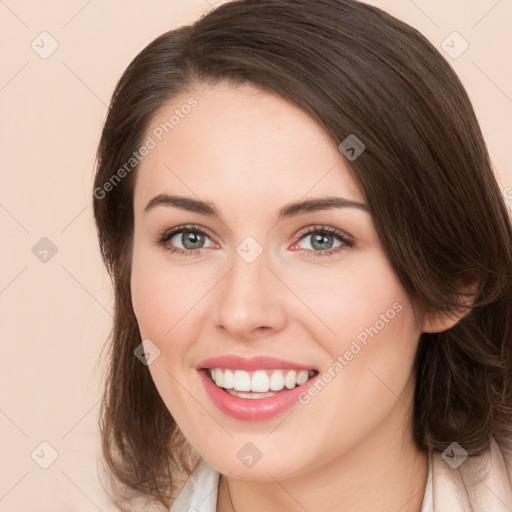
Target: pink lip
point(252, 409)
point(245, 408)
point(250, 364)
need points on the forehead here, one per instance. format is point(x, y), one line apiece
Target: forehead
point(243, 143)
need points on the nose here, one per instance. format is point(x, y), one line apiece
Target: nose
point(250, 300)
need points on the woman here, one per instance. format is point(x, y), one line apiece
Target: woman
point(312, 269)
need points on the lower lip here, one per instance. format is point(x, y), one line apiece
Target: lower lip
point(252, 409)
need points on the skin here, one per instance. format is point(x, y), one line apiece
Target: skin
point(249, 153)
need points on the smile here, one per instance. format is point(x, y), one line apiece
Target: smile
point(259, 383)
point(254, 389)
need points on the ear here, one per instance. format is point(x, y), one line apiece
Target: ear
point(438, 322)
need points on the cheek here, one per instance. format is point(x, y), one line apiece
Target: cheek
point(169, 303)
point(353, 300)
point(160, 304)
point(157, 292)
point(373, 338)
point(148, 299)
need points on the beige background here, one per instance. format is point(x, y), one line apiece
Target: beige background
point(56, 315)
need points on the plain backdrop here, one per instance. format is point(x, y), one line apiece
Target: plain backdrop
point(60, 62)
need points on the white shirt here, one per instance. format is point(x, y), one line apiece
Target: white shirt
point(486, 478)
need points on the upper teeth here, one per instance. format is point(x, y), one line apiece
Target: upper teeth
point(260, 380)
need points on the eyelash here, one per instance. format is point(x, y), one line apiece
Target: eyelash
point(165, 236)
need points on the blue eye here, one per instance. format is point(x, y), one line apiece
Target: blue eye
point(323, 236)
point(192, 238)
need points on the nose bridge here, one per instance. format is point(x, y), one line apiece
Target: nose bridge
point(246, 300)
point(247, 279)
point(249, 267)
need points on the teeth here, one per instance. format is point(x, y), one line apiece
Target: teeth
point(302, 377)
point(229, 379)
point(277, 381)
point(218, 377)
point(242, 380)
point(260, 381)
point(290, 379)
point(242, 394)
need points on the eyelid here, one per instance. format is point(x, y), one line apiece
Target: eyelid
point(325, 229)
point(169, 233)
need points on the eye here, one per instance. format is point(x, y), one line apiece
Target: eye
point(323, 240)
point(191, 237)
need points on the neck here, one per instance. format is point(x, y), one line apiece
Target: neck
point(385, 472)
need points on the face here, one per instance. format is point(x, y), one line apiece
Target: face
point(260, 294)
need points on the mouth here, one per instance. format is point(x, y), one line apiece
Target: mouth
point(258, 384)
point(255, 395)
point(254, 389)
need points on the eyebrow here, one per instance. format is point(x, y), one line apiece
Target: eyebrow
point(288, 210)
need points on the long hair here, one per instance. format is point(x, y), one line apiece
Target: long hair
point(425, 174)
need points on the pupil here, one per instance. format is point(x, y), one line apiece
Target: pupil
point(192, 240)
point(319, 239)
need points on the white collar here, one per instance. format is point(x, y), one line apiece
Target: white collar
point(199, 494)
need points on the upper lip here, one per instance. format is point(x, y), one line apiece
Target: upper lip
point(250, 364)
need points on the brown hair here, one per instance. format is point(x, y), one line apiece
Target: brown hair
point(425, 174)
